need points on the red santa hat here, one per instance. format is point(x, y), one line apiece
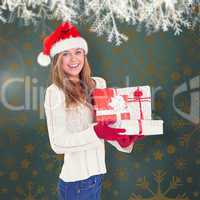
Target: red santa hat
point(65, 36)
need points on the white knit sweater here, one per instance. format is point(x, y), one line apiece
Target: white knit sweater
point(71, 133)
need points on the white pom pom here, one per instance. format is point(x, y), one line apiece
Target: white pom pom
point(43, 60)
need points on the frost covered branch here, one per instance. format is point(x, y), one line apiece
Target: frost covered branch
point(105, 16)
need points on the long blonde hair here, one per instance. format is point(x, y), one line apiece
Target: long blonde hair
point(75, 92)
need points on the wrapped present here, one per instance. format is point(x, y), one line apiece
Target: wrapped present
point(122, 103)
point(140, 127)
point(130, 107)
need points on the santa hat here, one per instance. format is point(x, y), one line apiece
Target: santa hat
point(65, 36)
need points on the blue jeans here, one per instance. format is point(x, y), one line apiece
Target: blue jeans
point(88, 189)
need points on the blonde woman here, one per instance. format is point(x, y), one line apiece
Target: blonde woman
point(70, 116)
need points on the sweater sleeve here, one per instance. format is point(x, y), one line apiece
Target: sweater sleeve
point(102, 84)
point(61, 140)
point(119, 148)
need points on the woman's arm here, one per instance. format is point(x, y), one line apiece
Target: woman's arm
point(61, 140)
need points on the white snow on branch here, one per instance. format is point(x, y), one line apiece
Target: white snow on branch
point(105, 16)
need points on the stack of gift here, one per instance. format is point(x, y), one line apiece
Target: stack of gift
point(130, 107)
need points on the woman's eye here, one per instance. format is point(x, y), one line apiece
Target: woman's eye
point(78, 52)
point(66, 54)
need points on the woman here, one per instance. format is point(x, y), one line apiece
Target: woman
point(70, 117)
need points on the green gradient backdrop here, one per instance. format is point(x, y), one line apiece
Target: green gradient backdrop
point(159, 168)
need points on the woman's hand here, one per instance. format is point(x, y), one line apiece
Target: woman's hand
point(126, 140)
point(105, 132)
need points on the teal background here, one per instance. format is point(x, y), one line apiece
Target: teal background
point(163, 167)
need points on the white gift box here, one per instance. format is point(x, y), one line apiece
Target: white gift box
point(137, 127)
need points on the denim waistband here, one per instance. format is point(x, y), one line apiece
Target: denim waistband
point(73, 182)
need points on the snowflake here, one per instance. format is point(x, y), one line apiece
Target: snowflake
point(159, 175)
point(29, 192)
point(180, 163)
point(52, 161)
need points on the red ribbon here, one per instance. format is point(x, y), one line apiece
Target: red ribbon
point(138, 98)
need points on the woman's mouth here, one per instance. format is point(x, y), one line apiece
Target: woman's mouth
point(74, 66)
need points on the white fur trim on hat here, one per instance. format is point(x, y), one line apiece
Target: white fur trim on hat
point(43, 60)
point(65, 44)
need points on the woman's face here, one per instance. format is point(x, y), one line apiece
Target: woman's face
point(73, 61)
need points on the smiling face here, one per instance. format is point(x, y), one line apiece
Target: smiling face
point(73, 61)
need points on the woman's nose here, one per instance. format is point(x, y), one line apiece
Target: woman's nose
point(73, 57)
